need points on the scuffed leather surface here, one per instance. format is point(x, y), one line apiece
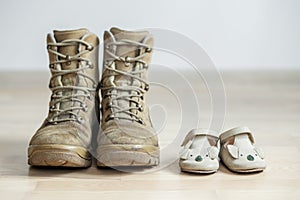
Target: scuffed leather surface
point(73, 133)
point(126, 132)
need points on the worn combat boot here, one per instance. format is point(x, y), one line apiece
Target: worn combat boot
point(65, 136)
point(126, 136)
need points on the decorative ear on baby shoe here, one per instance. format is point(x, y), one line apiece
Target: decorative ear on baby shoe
point(233, 151)
point(260, 152)
point(213, 152)
point(184, 154)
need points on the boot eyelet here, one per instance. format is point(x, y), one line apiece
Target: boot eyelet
point(127, 59)
point(147, 87)
point(145, 65)
point(84, 107)
point(89, 96)
point(108, 106)
point(148, 50)
point(69, 63)
point(68, 57)
point(48, 46)
point(80, 120)
point(109, 118)
point(90, 64)
point(140, 108)
point(51, 66)
point(90, 48)
point(140, 120)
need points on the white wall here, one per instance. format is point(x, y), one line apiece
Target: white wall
point(238, 34)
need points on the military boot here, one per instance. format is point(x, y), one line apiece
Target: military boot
point(65, 136)
point(126, 136)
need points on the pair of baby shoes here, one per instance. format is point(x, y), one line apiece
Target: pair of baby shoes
point(200, 153)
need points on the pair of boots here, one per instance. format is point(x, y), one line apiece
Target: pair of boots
point(118, 130)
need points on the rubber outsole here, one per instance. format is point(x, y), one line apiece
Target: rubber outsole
point(127, 155)
point(59, 156)
point(245, 171)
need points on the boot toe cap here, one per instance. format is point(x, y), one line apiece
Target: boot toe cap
point(57, 135)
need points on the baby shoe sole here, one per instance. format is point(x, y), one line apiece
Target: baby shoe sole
point(199, 171)
point(247, 170)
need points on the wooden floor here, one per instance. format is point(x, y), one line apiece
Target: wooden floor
point(268, 102)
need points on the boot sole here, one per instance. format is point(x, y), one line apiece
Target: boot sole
point(127, 155)
point(59, 156)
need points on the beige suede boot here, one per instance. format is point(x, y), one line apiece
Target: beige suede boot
point(126, 136)
point(65, 136)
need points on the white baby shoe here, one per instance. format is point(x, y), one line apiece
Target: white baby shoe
point(200, 152)
point(238, 152)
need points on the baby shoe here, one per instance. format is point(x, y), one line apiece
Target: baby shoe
point(238, 152)
point(200, 152)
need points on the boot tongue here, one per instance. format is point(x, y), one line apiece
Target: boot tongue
point(131, 35)
point(124, 51)
point(127, 50)
point(70, 79)
point(137, 36)
point(69, 34)
point(72, 49)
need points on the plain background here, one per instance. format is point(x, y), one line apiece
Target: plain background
point(236, 34)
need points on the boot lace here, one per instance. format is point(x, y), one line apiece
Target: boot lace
point(112, 92)
point(59, 92)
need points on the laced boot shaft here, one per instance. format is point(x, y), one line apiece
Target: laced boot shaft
point(71, 84)
point(126, 136)
point(64, 139)
point(124, 81)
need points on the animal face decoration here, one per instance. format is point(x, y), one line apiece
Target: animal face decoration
point(248, 154)
point(195, 154)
